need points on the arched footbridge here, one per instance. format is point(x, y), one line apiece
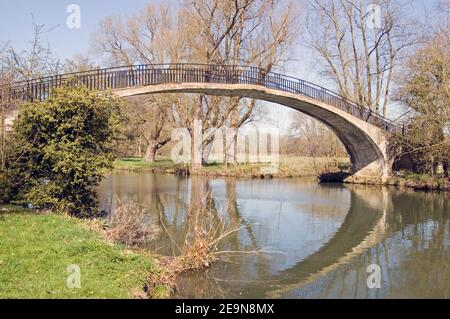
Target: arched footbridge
point(363, 132)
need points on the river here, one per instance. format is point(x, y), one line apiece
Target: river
point(300, 239)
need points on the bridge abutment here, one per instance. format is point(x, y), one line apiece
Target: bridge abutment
point(376, 173)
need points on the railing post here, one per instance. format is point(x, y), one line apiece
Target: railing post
point(262, 80)
point(207, 74)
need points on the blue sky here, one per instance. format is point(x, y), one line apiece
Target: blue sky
point(16, 26)
point(16, 23)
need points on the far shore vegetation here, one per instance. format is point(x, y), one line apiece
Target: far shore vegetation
point(289, 166)
point(323, 169)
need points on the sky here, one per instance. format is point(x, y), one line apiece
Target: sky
point(16, 21)
point(16, 26)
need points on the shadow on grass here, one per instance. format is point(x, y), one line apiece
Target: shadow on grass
point(132, 159)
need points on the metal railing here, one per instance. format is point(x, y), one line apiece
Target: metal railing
point(141, 75)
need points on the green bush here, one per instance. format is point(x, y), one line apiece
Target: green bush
point(62, 147)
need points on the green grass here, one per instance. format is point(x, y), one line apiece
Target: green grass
point(419, 177)
point(36, 249)
point(135, 163)
point(423, 178)
point(289, 166)
point(421, 181)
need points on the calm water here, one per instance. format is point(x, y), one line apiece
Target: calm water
point(315, 241)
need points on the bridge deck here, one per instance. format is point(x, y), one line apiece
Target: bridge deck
point(143, 75)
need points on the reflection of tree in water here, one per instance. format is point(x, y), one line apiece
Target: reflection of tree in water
point(422, 222)
point(235, 216)
point(177, 214)
point(206, 284)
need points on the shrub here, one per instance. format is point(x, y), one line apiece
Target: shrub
point(62, 146)
point(205, 233)
point(129, 224)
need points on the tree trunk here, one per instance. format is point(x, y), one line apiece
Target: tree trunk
point(150, 154)
point(445, 167)
point(140, 146)
point(235, 146)
point(230, 147)
point(196, 162)
point(2, 137)
point(207, 152)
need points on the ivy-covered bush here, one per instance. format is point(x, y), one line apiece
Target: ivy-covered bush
point(59, 150)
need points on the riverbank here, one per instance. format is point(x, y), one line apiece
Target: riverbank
point(289, 167)
point(417, 182)
point(421, 182)
point(37, 249)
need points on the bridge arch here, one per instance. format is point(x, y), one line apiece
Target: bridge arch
point(364, 142)
point(362, 132)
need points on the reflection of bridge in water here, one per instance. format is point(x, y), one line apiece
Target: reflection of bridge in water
point(370, 224)
point(362, 229)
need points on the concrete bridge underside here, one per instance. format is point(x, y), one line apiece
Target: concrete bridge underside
point(365, 143)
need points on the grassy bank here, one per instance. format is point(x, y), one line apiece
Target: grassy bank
point(288, 167)
point(138, 164)
point(421, 182)
point(36, 249)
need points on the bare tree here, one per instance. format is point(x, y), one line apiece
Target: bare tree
point(79, 63)
point(238, 32)
point(360, 44)
point(37, 61)
point(152, 120)
point(242, 33)
point(152, 36)
point(308, 137)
